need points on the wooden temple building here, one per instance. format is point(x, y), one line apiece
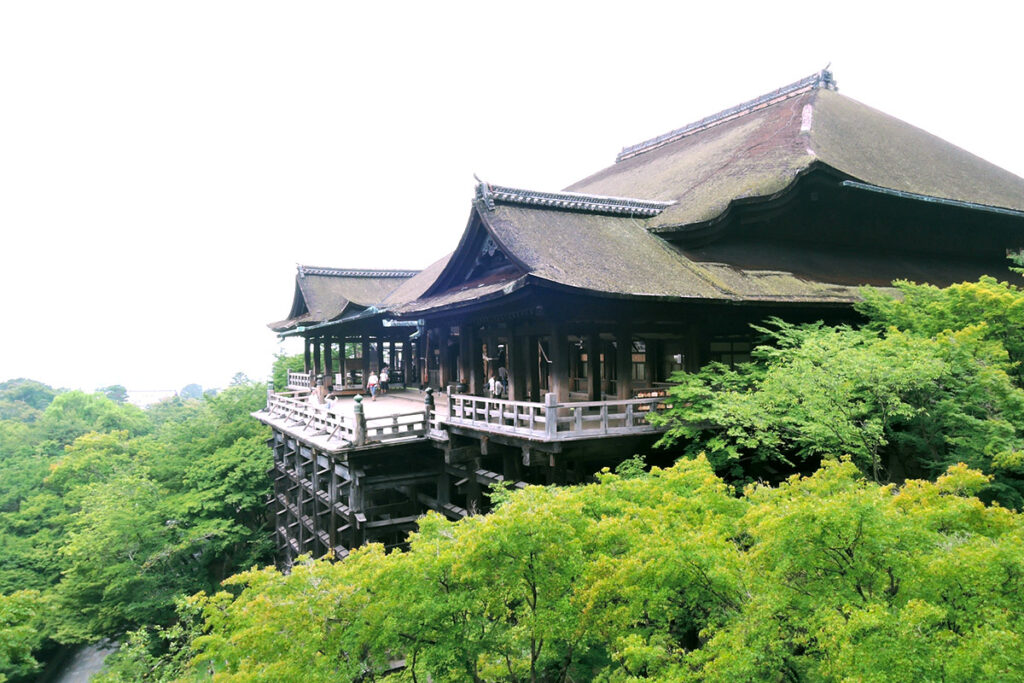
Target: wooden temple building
point(586, 301)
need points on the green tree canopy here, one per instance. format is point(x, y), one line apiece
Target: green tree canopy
point(667, 576)
point(899, 403)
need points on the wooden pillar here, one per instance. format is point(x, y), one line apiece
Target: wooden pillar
point(425, 371)
point(444, 366)
point(316, 356)
point(307, 364)
point(465, 355)
point(406, 361)
point(332, 496)
point(342, 362)
point(515, 383)
point(365, 347)
point(391, 355)
point(328, 360)
point(594, 366)
point(560, 362)
point(477, 378)
point(520, 371)
point(443, 490)
point(608, 367)
point(531, 366)
point(651, 360)
point(624, 363)
point(492, 357)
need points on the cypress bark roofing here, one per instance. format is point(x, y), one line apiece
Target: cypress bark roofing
point(760, 150)
point(606, 255)
point(323, 294)
point(600, 235)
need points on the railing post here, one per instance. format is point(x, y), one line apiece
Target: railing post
point(449, 390)
point(551, 415)
point(428, 407)
point(360, 419)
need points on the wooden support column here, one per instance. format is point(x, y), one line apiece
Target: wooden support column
point(594, 366)
point(407, 361)
point(623, 363)
point(443, 490)
point(474, 492)
point(444, 365)
point(465, 355)
point(317, 368)
point(492, 357)
point(512, 360)
point(357, 506)
point(332, 492)
point(328, 360)
point(365, 347)
point(477, 377)
point(531, 366)
point(512, 466)
point(651, 360)
point(560, 362)
point(342, 362)
point(425, 371)
point(307, 364)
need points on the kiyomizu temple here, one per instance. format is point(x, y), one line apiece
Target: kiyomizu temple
point(582, 304)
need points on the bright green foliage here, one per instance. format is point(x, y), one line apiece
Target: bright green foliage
point(122, 563)
point(668, 576)
point(112, 514)
point(75, 413)
point(282, 365)
point(19, 633)
point(157, 654)
point(899, 404)
point(996, 308)
point(24, 399)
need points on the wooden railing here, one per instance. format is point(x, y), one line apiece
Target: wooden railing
point(300, 380)
point(328, 421)
point(548, 421)
point(551, 420)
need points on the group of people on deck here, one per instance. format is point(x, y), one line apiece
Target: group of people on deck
point(378, 383)
point(498, 384)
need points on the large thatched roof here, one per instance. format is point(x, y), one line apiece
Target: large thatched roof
point(604, 234)
point(323, 294)
point(760, 147)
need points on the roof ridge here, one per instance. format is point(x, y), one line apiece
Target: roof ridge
point(354, 272)
point(575, 201)
point(821, 79)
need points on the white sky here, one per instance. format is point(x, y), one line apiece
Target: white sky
point(164, 165)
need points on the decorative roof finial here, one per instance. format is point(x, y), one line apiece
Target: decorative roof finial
point(483, 193)
point(826, 80)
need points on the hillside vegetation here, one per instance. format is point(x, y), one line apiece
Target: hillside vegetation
point(848, 509)
point(109, 513)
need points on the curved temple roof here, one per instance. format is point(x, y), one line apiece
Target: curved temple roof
point(601, 233)
point(323, 294)
point(760, 147)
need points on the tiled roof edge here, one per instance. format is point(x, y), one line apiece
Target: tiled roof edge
point(821, 79)
point(489, 194)
point(354, 272)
